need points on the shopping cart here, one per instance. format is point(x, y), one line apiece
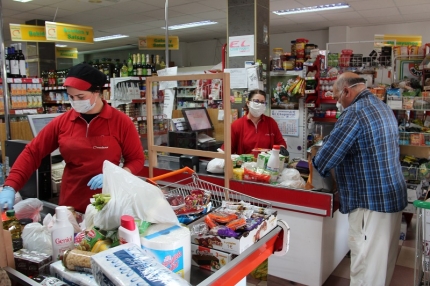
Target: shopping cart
point(422, 249)
point(218, 193)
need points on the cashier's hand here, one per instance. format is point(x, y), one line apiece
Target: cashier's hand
point(96, 182)
point(7, 196)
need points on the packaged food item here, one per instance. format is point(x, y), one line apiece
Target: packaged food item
point(48, 280)
point(31, 263)
point(77, 260)
point(72, 278)
point(209, 259)
point(175, 200)
point(237, 223)
point(210, 222)
point(222, 217)
point(256, 175)
point(238, 174)
point(224, 231)
point(87, 239)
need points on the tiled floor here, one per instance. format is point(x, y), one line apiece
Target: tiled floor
point(403, 272)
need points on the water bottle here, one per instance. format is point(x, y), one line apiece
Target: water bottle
point(273, 163)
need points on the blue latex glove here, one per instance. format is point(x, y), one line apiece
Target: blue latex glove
point(7, 196)
point(96, 182)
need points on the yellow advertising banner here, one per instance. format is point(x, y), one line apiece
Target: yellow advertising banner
point(158, 43)
point(397, 40)
point(27, 33)
point(62, 32)
point(66, 53)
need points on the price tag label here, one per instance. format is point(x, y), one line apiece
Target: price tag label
point(139, 118)
point(35, 80)
point(144, 118)
point(19, 112)
point(17, 80)
point(132, 118)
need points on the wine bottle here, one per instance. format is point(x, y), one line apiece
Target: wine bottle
point(130, 65)
point(117, 69)
point(144, 73)
point(14, 64)
point(7, 61)
point(134, 65)
point(139, 66)
point(153, 70)
point(124, 70)
point(148, 66)
point(21, 62)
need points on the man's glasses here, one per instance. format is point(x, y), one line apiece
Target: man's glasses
point(259, 102)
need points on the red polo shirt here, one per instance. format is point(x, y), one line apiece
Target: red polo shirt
point(245, 135)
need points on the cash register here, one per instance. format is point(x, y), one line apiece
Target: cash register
point(195, 132)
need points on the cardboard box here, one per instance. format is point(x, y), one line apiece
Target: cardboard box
point(236, 245)
point(72, 278)
point(209, 259)
point(31, 263)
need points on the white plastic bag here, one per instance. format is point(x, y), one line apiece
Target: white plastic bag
point(131, 196)
point(291, 178)
point(29, 208)
point(36, 237)
point(88, 222)
point(216, 166)
point(49, 221)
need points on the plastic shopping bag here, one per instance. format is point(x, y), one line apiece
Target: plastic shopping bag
point(49, 221)
point(216, 166)
point(131, 196)
point(36, 237)
point(29, 208)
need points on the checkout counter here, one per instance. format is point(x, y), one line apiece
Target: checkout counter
point(319, 232)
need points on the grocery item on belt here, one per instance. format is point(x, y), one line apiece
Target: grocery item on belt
point(222, 217)
point(128, 265)
point(77, 260)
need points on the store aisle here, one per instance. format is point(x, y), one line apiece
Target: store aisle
point(403, 273)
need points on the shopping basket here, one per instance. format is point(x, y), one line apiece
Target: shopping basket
point(422, 249)
point(218, 193)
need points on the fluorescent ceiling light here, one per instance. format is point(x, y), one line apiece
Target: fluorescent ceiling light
point(190, 25)
point(106, 38)
point(313, 9)
point(22, 1)
point(60, 46)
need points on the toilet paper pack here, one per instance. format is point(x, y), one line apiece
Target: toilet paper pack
point(128, 265)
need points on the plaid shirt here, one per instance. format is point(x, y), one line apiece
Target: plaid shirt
point(363, 149)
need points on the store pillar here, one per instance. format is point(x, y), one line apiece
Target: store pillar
point(249, 17)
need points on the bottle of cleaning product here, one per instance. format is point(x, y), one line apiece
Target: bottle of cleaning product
point(62, 233)
point(273, 163)
point(128, 232)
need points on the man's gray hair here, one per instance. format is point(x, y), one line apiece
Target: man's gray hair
point(347, 81)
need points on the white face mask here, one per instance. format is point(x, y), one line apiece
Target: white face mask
point(256, 109)
point(339, 107)
point(82, 106)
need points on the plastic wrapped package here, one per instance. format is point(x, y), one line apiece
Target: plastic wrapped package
point(72, 278)
point(29, 208)
point(127, 264)
point(36, 237)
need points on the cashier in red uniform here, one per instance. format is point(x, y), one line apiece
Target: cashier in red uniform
point(255, 130)
point(86, 135)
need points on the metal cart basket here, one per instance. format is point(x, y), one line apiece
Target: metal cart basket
point(218, 193)
point(422, 249)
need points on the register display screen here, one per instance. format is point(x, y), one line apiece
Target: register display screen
point(197, 118)
point(39, 121)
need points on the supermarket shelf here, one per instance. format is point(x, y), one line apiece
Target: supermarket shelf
point(144, 118)
point(187, 86)
point(309, 91)
point(309, 78)
point(415, 145)
point(185, 96)
point(22, 80)
point(143, 100)
point(56, 102)
point(332, 101)
point(63, 87)
point(325, 119)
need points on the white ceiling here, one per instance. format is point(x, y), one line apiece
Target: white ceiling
point(146, 17)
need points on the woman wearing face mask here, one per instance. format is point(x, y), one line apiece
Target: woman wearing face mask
point(254, 129)
point(87, 135)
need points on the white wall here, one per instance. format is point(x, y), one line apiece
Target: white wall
point(319, 38)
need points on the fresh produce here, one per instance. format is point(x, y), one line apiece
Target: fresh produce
point(100, 201)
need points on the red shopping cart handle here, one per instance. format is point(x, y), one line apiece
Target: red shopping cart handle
point(170, 174)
